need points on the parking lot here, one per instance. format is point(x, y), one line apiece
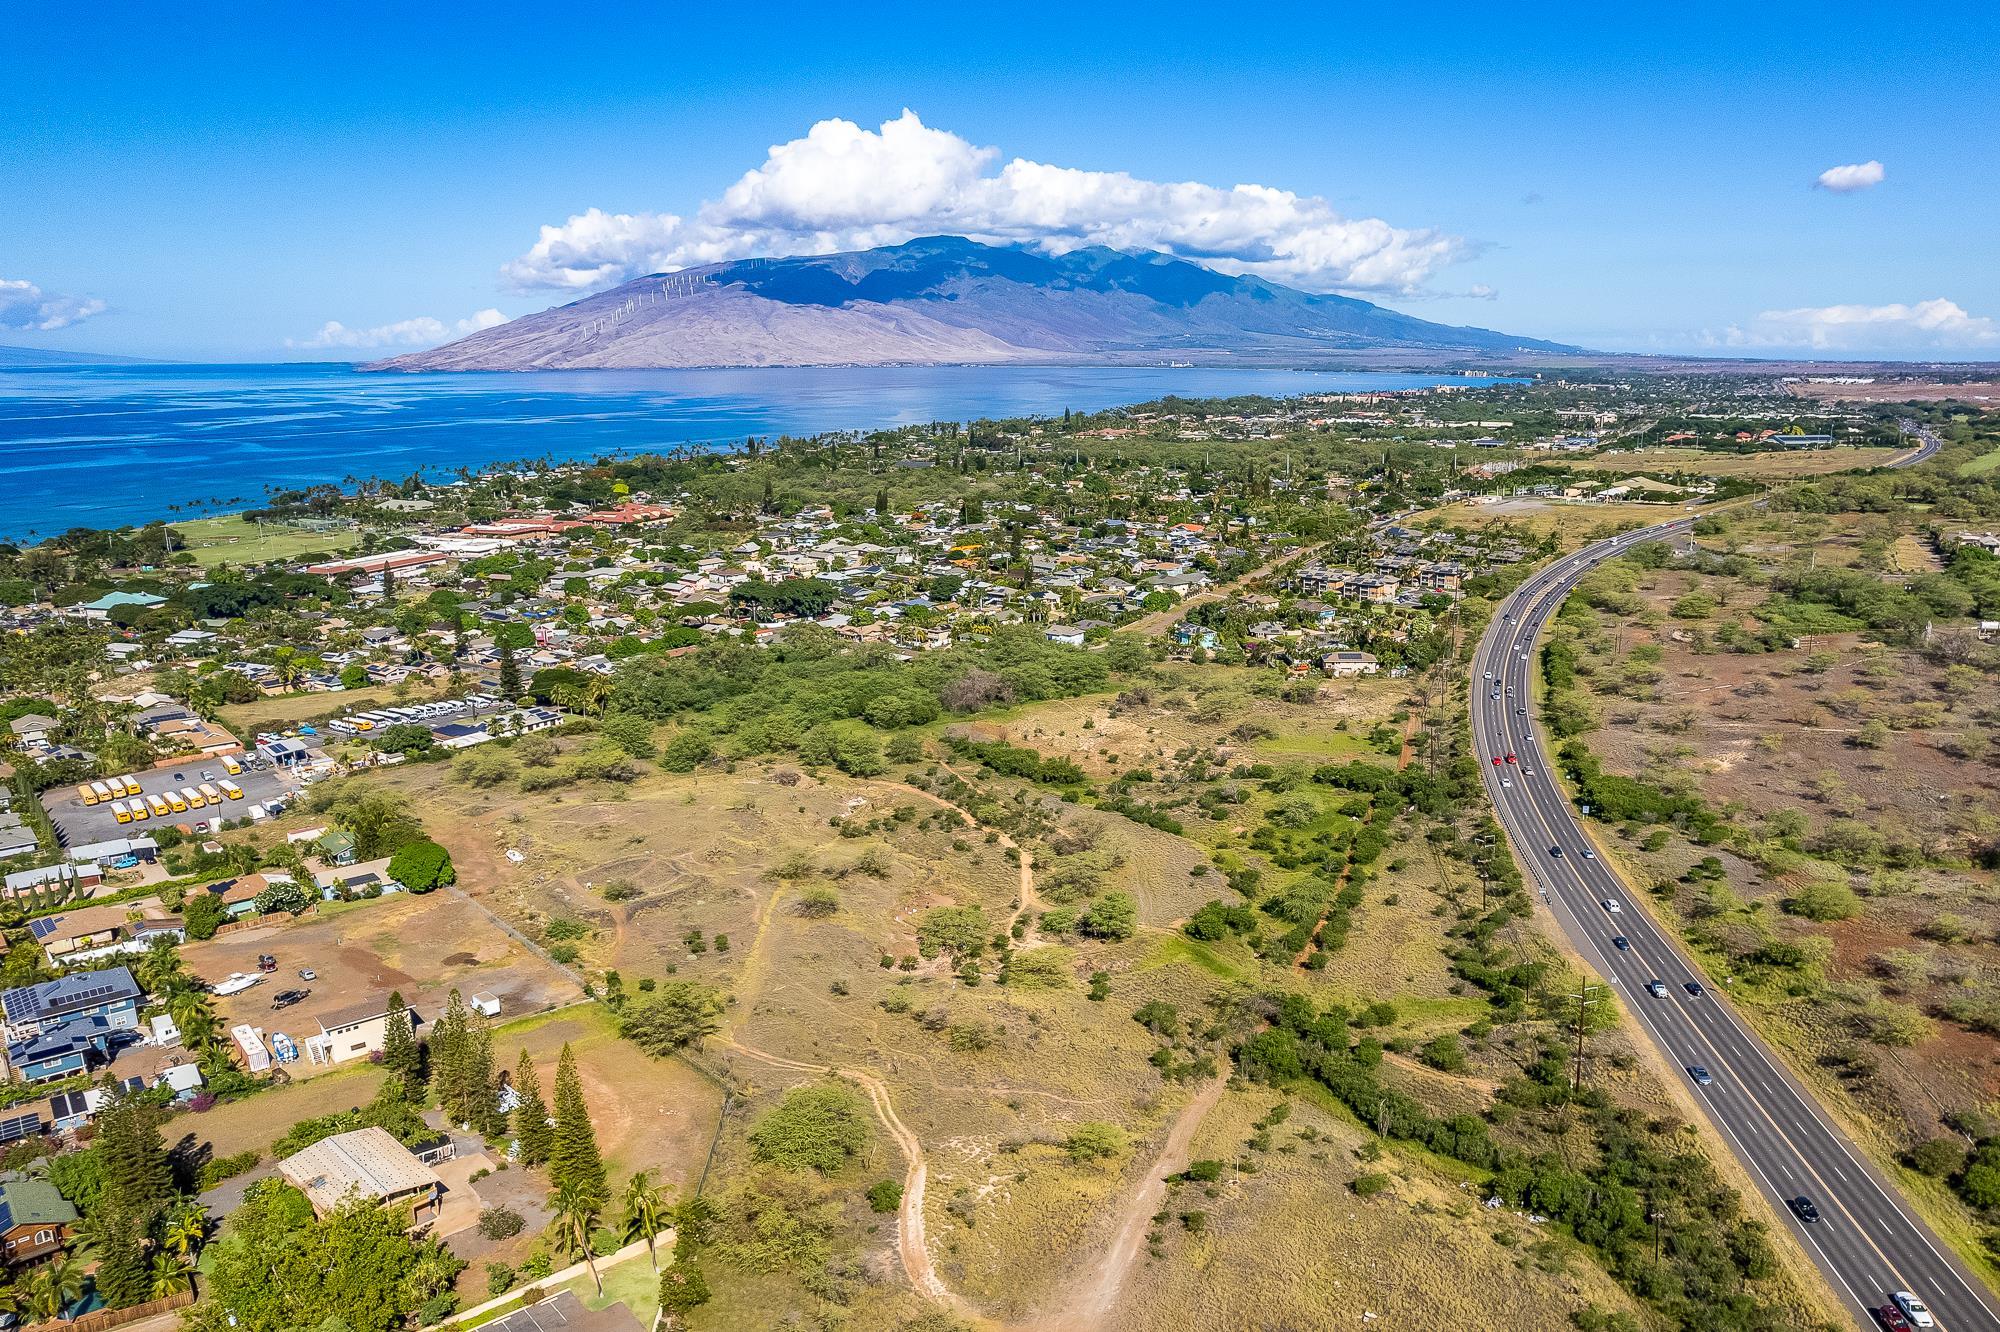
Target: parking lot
point(79, 824)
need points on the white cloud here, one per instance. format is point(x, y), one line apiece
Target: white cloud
point(25, 306)
point(1851, 177)
point(422, 331)
point(1935, 326)
point(843, 187)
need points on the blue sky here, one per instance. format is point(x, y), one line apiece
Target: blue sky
point(224, 180)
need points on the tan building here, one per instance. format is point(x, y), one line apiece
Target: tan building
point(357, 1031)
point(367, 1164)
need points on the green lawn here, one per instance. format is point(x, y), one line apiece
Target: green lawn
point(1984, 463)
point(233, 539)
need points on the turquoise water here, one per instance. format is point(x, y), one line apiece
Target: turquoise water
point(103, 446)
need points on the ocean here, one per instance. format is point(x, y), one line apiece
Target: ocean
point(104, 446)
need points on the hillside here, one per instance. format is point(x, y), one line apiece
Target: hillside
point(948, 300)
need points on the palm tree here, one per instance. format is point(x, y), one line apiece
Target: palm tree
point(575, 1215)
point(52, 1288)
point(171, 1276)
point(645, 1211)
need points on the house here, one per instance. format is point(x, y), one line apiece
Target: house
point(460, 735)
point(111, 994)
point(1344, 665)
point(35, 1220)
point(79, 880)
point(70, 1047)
point(91, 932)
point(1067, 635)
point(365, 1163)
point(100, 610)
point(284, 753)
point(32, 729)
point(354, 1032)
point(337, 847)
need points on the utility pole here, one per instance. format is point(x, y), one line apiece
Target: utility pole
point(1585, 996)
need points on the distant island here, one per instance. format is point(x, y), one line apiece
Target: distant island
point(30, 358)
point(950, 300)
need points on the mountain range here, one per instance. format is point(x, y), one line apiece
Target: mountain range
point(950, 300)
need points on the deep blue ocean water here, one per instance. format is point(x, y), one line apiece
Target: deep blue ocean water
point(103, 446)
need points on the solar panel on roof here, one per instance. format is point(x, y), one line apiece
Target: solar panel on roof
point(14, 1128)
point(42, 929)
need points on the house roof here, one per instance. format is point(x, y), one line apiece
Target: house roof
point(68, 994)
point(364, 1161)
point(353, 1015)
point(33, 1202)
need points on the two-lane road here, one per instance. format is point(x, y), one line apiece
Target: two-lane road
point(1867, 1239)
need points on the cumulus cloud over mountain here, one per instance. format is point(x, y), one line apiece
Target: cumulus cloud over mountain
point(843, 187)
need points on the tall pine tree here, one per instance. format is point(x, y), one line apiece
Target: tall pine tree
point(400, 1054)
point(138, 1182)
point(573, 1155)
point(510, 672)
point(531, 1115)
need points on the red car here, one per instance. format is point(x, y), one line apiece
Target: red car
point(1890, 1317)
point(1496, 760)
point(1512, 759)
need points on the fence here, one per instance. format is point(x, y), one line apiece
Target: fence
point(104, 1318)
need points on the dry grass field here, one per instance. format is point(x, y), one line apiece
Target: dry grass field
point(1773, 465)
point(1574, 524)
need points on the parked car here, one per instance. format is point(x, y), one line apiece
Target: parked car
point(286, 998)
point(266, 963)
point(307, 973)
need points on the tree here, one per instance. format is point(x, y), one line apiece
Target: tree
point(46, 1293)
point(137, 1183)
point(204, 914)
point(170, 1277)
point(461, 1064)
point(574, 1159)
point(1113, 916)
point(645, 1211)
point(575, 1216)
point(421, 866)
point(677, 1015)
point(400, 1054)
point(531, 1114)
point(1095, 1140)
point(813, 1128)
point(510, 670)
point(283, 895)
point(683, 1289)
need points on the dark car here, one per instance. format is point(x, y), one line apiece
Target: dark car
point(1805, 1209)
point(1693, 987)
point(1620, 942)
point(1701, 1075)
point(1556, 851)
point(1889, 1316)
point(266, 963)
point(286, 998)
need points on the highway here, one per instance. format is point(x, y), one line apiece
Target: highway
point(1868, 1241)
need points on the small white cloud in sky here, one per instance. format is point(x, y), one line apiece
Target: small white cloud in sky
point(844, 187)
point(25, 306)
point(423, 331)
point(1852, 177)
point(1934, 327)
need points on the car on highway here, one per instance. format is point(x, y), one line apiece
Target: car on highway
point(1512, 759)
point(1507, 781)
point(1890, 1317)
point(1693, 987)
point(1701, 1075)
point(1621, 943)
point(1613, 905)
point(1914, 1309)
point(1589, 854)
point(1805, 1209)
point(1657, 988)
point(1556, 851)
point(1496, 760)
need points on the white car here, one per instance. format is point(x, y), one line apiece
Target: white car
point(1913, 1309)
point(1614, 906)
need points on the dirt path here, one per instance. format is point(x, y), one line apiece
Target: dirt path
point(910, 1245)
point(1088, 1307)
point(1031, 904)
